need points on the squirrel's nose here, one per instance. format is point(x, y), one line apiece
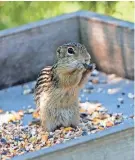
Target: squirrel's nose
point(87, 59)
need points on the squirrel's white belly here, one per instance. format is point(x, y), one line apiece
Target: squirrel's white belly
point(61, 107)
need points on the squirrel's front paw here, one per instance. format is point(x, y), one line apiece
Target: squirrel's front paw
point(93, 66)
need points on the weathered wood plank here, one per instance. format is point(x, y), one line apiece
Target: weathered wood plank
point(27, 49)
point(110, 41)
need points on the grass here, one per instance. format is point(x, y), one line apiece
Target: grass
point(16, 13)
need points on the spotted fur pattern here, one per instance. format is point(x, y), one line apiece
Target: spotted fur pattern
point(57, 88)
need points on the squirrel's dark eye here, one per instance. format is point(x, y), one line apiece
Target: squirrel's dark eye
point(71, 51)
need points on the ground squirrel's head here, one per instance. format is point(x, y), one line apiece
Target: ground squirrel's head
point(73, 52)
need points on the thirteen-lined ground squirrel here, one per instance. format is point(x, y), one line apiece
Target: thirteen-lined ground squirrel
point(57, 87)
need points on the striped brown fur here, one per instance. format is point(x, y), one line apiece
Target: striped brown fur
point(57, 87)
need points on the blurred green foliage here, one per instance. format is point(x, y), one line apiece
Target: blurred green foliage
point(15, 13)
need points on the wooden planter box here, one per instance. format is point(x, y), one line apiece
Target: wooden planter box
point(25, 50)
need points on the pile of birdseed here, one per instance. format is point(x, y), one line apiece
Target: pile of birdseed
point(17, 139)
